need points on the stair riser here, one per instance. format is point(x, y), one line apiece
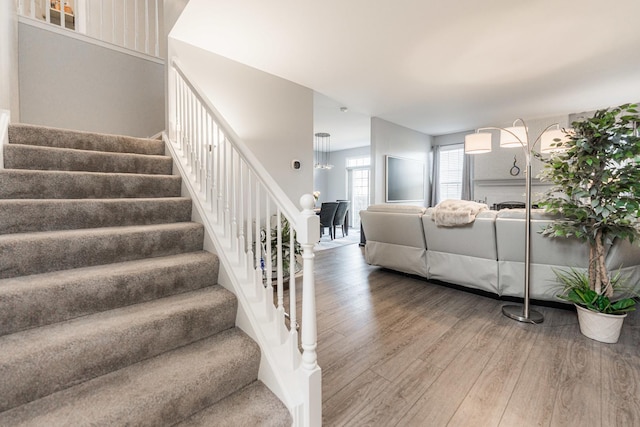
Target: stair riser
point(45, 158)
point(155, 392)
point(27, 302)
point(25, 254)
point(23, 184)
point(23, 216)
point(51, 137)
point(105, 347)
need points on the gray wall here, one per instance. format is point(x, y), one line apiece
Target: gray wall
point(67, 82)
point(390, 139)
point(9, 95)
point(492, 181)
point(332, 183)
point(273, 116)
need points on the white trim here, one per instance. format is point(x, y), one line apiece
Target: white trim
point(5, 119)
point(73, 34)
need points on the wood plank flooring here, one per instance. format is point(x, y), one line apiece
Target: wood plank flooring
point(399, 351)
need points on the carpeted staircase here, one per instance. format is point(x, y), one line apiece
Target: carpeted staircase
point(109, 309)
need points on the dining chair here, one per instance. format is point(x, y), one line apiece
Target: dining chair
point(327, 213)
point(339, 220)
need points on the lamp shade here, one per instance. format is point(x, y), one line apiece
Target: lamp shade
point(476, 143)
point(515, 136)
point(550, 140)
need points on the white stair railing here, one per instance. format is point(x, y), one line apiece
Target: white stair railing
point(130, 24)
point(252, 224)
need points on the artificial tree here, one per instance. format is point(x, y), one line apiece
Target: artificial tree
point(596, 186)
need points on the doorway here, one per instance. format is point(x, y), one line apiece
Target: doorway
point(358, 174)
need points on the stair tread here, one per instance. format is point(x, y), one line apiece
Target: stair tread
point(85, 173)
point(44, 251)
point(33, 157)
point(33, 215)
point(30, 184)
point(254, 405)
point(25, 301)
point(43, 360)
point(22, 133)
point(99, 231)
point(158, 391)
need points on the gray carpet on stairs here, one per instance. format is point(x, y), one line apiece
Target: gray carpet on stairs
point(65, 159)
point(109, 309)
point(25, 215)
point(26, 301)
point(156, 392)
point(35, 184)
point(22, 133)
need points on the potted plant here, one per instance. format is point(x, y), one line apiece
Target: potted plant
point(596, 192)
point(286, 249)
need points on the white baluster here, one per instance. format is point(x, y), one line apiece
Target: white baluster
point(220, 169)
point(259, 253)
point(146, 26)
point(234, 200)
point(279, 259)
point(293, 319)
point(250, 241)
point(240, 215)
point(157, 30)
point(268, 259)
point(136, 31)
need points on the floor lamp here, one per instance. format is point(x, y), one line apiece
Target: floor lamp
point(518, 136)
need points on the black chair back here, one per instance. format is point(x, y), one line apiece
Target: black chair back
point(343, 207)
point(340, 218)
point(327, 213)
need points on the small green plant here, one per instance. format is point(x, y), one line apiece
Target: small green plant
point(286, 246)
point(577, 290)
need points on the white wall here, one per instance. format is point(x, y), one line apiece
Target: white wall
point(452, 138)
point(390, 139)
point(171, 10)
point(9, 89)
point(332, 183)
point(492, 179)
point(273, 116)
point(66, 82)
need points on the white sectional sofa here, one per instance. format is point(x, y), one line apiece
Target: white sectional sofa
point(487, 254)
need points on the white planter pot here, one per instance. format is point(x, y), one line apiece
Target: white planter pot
point(599, 326)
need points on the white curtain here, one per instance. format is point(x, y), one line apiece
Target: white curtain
point(467, 178)
point(435, 176)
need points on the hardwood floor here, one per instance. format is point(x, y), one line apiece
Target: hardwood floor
point(399, 351)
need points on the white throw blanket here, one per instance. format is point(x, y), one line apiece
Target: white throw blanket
point(451, 213)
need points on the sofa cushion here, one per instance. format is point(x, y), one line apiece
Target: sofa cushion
point(547, 253)
point(477, 239)
point(395, 238)
point(399, 229)
point(396, 257)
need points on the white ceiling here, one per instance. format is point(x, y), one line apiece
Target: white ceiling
point(435, 66)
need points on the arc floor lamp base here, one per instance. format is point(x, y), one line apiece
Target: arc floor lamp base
point(516, 312)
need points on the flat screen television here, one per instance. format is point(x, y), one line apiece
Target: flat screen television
point(405, 179)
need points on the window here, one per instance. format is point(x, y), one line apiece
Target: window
point(355, 162)
point(357, 187)
point(451, 160)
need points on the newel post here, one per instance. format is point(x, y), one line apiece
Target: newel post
point(308, 235)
